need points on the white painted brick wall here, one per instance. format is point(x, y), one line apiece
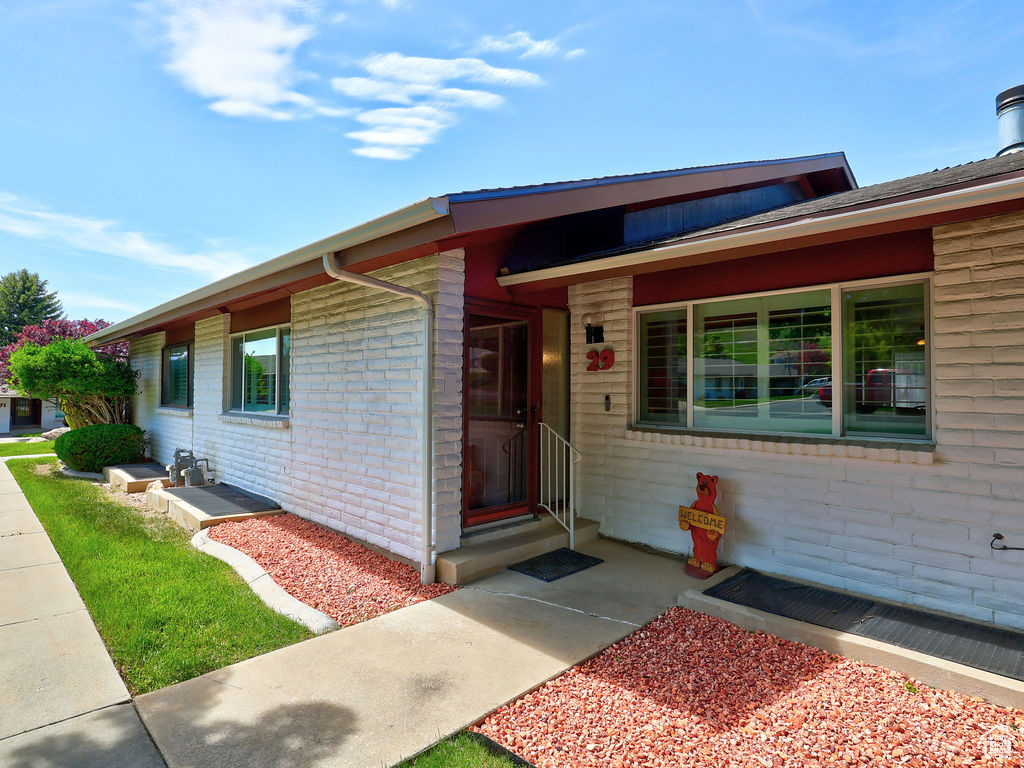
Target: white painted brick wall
point(349, 454)
point(881, 523)
point(166, 428)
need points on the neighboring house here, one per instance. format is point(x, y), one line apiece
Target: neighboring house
point(22, 414)
point(775, 273)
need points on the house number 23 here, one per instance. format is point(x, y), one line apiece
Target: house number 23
point(600, 361)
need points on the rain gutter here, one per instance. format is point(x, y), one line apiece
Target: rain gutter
point(427, 567)
point(226, 289)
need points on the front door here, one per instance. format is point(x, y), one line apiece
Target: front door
point(26, 412)
point(501, 411)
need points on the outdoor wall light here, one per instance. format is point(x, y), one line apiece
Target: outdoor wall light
point(595, 333)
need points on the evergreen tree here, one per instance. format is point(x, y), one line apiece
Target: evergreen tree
point(24, 300)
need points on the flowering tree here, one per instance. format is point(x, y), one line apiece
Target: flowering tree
point(47, 362)
point(51, 330)
point(91, 388)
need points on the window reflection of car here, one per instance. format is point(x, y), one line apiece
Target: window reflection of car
point(884, 388)
point(814, 385)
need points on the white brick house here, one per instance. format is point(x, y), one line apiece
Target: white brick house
point(909, 293)
point(19, 415)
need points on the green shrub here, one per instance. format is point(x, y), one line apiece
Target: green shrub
point(89, 449)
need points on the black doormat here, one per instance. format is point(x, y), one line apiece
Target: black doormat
point(147, 471)
point(555, 565)
point(1000, 651)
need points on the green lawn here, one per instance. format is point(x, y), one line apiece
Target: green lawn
point(25, 449)
point(460, 751)
point(165, 611)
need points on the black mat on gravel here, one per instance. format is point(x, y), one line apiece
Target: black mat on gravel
point(148, 471)
point(1000, 651)
point(222, 499)
point(555, 565)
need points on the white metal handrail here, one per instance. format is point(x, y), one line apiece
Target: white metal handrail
point(558, 458)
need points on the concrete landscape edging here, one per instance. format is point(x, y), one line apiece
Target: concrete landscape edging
point(264, 586)
point(66, 470)
point(931, 670)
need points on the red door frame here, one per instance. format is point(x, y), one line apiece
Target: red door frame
point(535, 340)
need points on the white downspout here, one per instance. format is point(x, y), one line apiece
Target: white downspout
point(331, 268)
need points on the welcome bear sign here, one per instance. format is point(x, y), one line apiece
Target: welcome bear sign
point(706, 527)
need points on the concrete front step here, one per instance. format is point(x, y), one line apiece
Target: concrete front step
point(191, 517)
point(475, 560)
point(134, 478)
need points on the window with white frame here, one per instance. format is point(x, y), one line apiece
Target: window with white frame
point(176, 376)
point(259, 370)
point(766, 363)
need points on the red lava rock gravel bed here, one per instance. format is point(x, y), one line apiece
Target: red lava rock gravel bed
point(693, 690)
point(322, 568)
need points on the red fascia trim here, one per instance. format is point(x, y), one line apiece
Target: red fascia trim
point(864, 258)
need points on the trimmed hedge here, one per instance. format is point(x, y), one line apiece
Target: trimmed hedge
point(90, 449)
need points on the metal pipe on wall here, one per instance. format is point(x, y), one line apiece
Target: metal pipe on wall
point(332, 269)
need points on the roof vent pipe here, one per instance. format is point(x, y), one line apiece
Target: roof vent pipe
point(1010, 111)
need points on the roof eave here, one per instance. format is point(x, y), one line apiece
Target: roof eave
point(606, 181)
point(422, 212)
point(883, 212)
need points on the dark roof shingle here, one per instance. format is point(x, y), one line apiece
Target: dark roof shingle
point(932, 181)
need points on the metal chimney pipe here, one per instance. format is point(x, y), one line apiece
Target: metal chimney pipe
point(1010, 111)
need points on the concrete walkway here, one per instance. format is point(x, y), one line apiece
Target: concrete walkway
point(383, 690)
point(62, 703)
point(369, 695)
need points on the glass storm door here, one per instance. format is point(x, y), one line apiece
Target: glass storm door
point(27, 412)
point(499, 419)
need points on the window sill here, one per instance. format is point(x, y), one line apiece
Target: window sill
point(873, 449)
point(255, 419)
point(171, 410)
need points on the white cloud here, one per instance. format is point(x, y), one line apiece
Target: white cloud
point(368, 89)
point(68, 232)
point(575, 53)
point(430, 105)
point(428, 71)
point(240, 54)
point(386, 153)
point(397, 133)
point(96, 301)
point(520, 41)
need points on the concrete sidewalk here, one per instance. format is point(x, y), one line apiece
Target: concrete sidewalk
point(383, 690)
point(62, 703)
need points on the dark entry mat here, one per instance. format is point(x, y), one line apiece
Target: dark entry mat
point(555, 565)
point(222, 499)
point(148, 471)
point(1000, 651)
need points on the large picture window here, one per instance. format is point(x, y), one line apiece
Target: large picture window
point(884, 370)
point(766, 363)
point(176, 376)
point(259, 371)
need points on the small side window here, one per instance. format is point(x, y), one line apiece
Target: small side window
point(176, 376)
point(259, 371)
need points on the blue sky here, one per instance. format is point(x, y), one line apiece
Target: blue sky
point(151, 147)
